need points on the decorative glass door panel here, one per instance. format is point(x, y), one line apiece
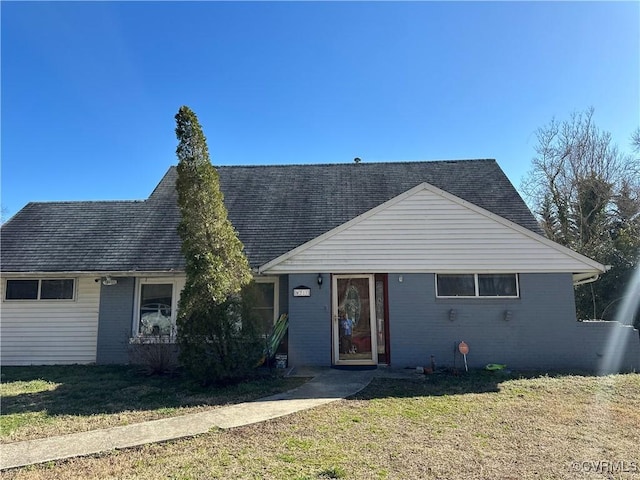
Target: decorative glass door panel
point(380, 320)
point(354, 320)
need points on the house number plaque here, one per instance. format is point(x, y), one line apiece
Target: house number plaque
point(302, 292)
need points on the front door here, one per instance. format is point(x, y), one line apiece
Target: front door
point(354, 324)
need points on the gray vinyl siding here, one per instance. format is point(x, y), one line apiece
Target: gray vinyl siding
point(542, 332)
point(283, 295)
point(115, 321)
point(309, 322)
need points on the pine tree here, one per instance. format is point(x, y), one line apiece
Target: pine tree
point(216, 332)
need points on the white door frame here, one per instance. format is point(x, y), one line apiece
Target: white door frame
point(372, 320)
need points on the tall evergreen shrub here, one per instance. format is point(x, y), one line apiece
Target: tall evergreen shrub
point(217, 332)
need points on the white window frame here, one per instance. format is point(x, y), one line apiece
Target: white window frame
point(175, 293)
point(276, 294)
point(74, 294)
point(476, 286)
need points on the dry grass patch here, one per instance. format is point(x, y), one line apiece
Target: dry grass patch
point(39, 402)
point(474, 427)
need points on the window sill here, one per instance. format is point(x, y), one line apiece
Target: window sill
point(152, 339)
point(480, 297)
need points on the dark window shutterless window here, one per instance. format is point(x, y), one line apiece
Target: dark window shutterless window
point(263, 293)
point(497, 285)
point(22, 290)
point(41, 289)
point(477, 285)
point(456, 286)
point(56, 289)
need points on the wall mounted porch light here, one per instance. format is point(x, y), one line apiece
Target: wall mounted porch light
point(108, 281)
point(319, 280)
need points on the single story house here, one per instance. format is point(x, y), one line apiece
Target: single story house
point(375, 264)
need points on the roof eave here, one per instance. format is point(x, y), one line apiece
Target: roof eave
point(112, 273)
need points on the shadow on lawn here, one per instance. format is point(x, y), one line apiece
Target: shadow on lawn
point(89, 390)
point(445, 383)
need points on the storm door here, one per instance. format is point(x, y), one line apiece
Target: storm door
point(354, 320)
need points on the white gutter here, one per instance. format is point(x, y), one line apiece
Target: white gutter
point(584, 281)
point(584, 278)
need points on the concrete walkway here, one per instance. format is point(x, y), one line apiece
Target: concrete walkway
point(328, 385)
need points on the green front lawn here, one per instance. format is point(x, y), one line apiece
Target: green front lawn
point(475, 426)
point(43, 401)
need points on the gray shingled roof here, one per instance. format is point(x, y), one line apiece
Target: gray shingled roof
point(274, 209)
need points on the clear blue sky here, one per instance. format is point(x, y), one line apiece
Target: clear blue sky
point(90, 90)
